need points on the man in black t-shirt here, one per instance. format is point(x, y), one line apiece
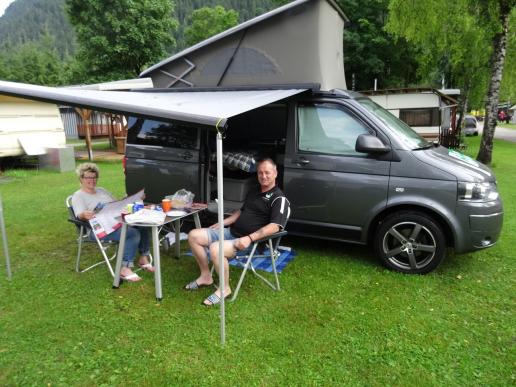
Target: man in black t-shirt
point(265, 212)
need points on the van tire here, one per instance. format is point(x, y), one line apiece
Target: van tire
point(401, 251)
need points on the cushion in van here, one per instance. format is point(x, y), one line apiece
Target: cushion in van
point(238, 160)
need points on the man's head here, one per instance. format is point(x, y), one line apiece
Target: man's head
point(267, 173)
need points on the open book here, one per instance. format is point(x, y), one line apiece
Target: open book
point(105, 222)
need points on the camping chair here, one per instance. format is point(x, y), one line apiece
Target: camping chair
point(272, 243)
point(83, 230)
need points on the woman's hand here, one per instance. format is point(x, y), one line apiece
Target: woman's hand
point(214, 226)
point(87, 215)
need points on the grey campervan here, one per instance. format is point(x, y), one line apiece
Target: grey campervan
point(352, 171)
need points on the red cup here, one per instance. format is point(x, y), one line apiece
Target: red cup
point(166, 204)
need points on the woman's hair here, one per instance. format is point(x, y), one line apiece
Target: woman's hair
point(87, 167)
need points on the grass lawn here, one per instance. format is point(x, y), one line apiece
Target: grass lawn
point(340, 319)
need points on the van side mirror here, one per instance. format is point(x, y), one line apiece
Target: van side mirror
point(367, 143)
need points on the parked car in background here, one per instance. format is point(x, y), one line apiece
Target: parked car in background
point(470, 126)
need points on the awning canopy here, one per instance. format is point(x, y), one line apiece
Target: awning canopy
point(208, 108)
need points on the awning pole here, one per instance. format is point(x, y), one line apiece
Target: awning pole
point(221, 238)
point(4, 237)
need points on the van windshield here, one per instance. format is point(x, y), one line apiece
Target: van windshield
point(401, 129)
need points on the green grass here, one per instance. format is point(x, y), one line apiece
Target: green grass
point(98, 144)
point(340, 319)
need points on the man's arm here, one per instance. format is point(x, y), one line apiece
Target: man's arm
point(229, 220)
point(267, 230)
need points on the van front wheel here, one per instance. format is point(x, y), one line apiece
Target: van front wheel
point(410, 242)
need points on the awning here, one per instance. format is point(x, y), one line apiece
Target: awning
point(209, 108)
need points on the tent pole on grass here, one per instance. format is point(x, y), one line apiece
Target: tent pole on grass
point(220, 210)
point(4, 237)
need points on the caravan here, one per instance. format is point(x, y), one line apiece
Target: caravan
point(29, 127)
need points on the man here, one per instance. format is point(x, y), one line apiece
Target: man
point(265, 212)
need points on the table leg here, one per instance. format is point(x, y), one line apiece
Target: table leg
point(157, 263)
point(197, 221)
point(119, 256)
point(177, 229)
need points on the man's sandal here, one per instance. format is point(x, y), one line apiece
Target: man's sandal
point(214, 299)
point(195, 286)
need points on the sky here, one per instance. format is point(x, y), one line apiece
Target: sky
point(3, 5)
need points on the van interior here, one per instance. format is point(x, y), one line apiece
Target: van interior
point(250, 136)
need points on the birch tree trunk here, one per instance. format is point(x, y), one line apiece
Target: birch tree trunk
point(485, 153)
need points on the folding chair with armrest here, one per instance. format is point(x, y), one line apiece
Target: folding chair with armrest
point(83, 229)
point(272, 243)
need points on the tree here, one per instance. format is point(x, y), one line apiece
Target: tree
point(498, 14)
point(371, 52)
point(206, 22)
point(458, 38)
point(35, 62)
point(452, 45)
point(117, 39)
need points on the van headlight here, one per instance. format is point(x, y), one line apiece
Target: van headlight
point(477, 192)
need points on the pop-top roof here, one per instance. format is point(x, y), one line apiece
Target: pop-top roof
point(301, 42)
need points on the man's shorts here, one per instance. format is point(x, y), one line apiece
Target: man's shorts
point(213, 235)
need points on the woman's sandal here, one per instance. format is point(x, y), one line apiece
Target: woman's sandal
point(147, 267)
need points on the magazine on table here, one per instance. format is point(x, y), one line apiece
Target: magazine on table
point(104, 222)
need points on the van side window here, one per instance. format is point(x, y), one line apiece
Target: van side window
point(328, 129)
point(149, 132)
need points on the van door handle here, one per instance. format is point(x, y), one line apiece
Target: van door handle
point(187, 155)
point(302, 161)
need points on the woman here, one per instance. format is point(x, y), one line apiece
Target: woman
point(90, 198)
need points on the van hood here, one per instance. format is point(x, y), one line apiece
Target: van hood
point(463, 167)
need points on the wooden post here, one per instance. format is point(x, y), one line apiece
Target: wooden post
point(111, 130)
point(85, 115)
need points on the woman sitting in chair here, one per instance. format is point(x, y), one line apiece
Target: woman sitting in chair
point(90, 198)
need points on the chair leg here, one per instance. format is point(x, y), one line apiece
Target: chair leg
point(242, 276)
point(106, 260)
point(273, 249)
point(79, 250)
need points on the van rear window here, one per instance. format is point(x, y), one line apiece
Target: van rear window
point(149, 132)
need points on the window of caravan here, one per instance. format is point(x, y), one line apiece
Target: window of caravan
point(148, 132)
point(420, 117)
point(329, 129)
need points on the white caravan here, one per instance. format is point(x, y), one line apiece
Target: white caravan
point(29, 127)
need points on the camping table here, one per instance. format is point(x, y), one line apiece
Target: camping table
point(155, 246)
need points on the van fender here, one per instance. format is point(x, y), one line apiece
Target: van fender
point(405, 202)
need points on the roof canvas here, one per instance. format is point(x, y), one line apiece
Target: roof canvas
point(208, 108)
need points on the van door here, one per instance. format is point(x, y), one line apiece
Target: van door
point(332, 188)
point(163, 157)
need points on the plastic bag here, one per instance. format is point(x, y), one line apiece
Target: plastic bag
point(181, 199)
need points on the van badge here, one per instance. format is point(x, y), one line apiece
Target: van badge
point(399, 189)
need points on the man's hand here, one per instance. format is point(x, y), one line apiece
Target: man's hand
point(242, 243)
